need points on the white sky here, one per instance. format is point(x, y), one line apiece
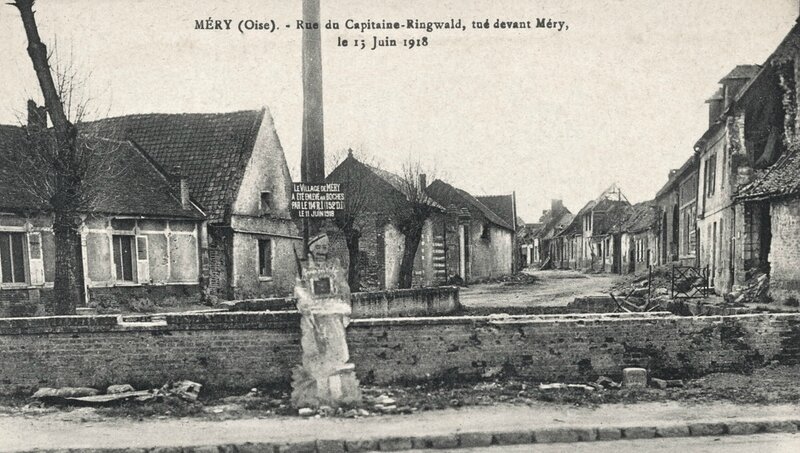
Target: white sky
point(619, 97)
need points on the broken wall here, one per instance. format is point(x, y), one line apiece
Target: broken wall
point(784, 253)
point(243, 350)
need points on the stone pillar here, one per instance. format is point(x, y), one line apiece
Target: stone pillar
point(325, 377)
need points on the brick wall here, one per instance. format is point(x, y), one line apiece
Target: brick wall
point(784, 251)
point(242, 350)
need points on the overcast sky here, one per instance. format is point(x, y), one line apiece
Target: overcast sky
point(618, 97)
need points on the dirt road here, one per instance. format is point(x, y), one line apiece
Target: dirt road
point(553, 288)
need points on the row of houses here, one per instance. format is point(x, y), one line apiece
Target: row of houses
point(733, 207)
point(197, 205)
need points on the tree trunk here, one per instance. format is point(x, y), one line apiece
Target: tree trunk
point(68, 290)
point(353, 267)
point(412, 239)
point(68, 286)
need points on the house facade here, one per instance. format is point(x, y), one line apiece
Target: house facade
point(479, 243)
point(677, 200)
point(235, 168)
point(142, 238)
point(373, 196)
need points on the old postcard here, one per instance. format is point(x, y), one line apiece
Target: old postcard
point(349, 225)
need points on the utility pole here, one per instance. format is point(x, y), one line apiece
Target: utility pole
point(312, 162)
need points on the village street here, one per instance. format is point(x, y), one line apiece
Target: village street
point(551, 288)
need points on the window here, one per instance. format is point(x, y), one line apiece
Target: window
point(266, 201)
point(12, 258)
point(123, 257)
point(485, 231)
point(265, 258)
point(711, 175)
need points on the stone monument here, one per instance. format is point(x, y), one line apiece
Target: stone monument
point(325, 377)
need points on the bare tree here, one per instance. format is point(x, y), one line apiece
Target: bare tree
point(409, 216)
point(57, 167)
point(352, 220)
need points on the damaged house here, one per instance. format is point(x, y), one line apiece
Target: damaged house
point(373, 195)
point(201, 206)
point(677, 200)
point(597, 248)
point(236, 170)
point(746, 215)
point(479, 243)
point(638, 238)
point(505, 206)
point(143, 235)
point(535, 240)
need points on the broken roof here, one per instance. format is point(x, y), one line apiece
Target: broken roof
point(212, 149)
point(742, 71)
point(445, 194)
point(637, 218)
point(135, 186)
point(780, 179)
point(691, 163)
point(403, 186)
point(502, 205)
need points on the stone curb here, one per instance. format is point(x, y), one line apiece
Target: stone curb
point(563, 434)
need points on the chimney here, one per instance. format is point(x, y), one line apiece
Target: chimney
point(423, 181)
point(715, 106)
point(183, 187)
point(37, 116)
point(672, 173)
point(556, 205)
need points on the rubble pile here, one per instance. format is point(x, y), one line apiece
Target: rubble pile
point(755, 290)
point(520, 278)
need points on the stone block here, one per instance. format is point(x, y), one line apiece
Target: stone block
point(742, 428)
point(513, 437)
point(471, 440)
point(707, 429)
point(360, 445)
point(780, 427)
point(634, 378)
point(443, 441)
point(639, 432)
point(298, 447)
point(672, 431)
point(556, 435)
point(608, 433)
point(330, 446)
point(396, 443)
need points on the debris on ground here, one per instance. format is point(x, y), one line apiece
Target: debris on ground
point(116, 394)
point(755, 290)
point(520, 278)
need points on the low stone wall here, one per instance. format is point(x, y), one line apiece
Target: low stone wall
point(238, 350)
point(406, 302)
point(378, 304)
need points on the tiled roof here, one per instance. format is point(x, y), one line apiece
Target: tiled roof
point(133, 186)
point(502, 205)
point(445, 194)
point(211, 149)
point(638, 218)
point(780, 179)
point(401, 186)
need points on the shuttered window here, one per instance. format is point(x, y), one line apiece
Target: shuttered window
point(12, 258)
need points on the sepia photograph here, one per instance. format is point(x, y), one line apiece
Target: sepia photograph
point(321, 226)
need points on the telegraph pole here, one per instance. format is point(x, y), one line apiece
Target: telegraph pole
point(312, 162)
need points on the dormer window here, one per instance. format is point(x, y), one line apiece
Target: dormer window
point(266, 202)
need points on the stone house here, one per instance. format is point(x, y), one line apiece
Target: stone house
point(235, 169)
point(479, 243)
point(677, 200)
point(505, 206)
point(597, 249)
point(638, 236)
point(143, 237)
point(372, 194)
point(535, 245)
point(718, 153)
